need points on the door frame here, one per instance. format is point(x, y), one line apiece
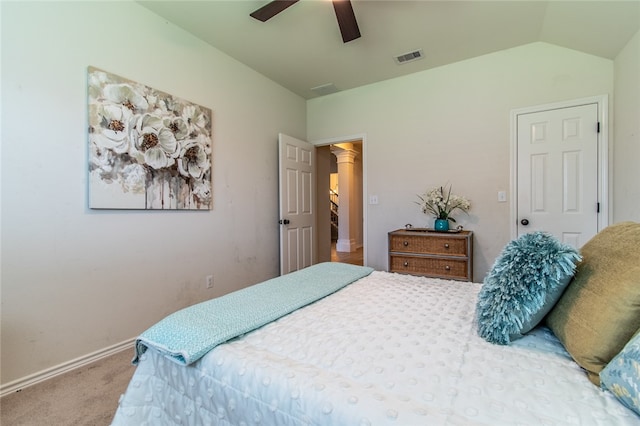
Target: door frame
point(360, 137)
point(603, 155)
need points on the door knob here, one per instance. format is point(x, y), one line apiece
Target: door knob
point(524, 222)
point(284, 221)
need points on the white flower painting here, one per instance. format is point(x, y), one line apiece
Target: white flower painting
point(147, 149)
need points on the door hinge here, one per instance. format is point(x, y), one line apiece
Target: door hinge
point(598, 127)
point(597, 207)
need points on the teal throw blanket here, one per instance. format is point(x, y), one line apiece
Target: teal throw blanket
point(187, 335)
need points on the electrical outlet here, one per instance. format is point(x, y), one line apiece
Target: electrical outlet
point(209, 281)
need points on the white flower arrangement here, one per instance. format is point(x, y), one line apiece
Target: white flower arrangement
point(441, 203)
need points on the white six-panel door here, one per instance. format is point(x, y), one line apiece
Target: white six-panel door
point(557, 173)
point(297, 203)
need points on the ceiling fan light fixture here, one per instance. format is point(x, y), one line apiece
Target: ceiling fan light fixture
point(346, 20)
point(409, 57)
point(271, 9)
point(343, 9)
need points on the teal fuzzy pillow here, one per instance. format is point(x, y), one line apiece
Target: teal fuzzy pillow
point(525, 282)
point(622, 375)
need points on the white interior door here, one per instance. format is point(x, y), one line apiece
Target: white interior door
point(557, 173)
point(297, 203)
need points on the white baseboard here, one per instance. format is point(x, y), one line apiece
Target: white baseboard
point(346, 245)
point(18, 385)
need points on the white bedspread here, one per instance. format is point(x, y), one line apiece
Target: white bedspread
point(388, 349)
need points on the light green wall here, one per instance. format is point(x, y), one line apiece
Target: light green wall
point(626, 145)
point(75, 281)
point(451, 125)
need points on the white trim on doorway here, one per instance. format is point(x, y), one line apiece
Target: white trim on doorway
point(603, 154)
point(352, 138)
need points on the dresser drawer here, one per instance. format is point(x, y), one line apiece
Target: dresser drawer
point(432, 254)
point(427, 244)
point(445, 268)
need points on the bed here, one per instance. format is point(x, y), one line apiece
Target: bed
point(382, 349)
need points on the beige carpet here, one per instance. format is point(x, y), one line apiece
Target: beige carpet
point(86, 396)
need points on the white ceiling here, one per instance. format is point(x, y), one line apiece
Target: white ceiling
point(301, 48)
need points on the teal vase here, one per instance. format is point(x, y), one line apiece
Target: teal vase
point(441, 225)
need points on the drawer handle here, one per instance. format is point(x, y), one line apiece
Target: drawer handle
point(406, 243)
point(446, 245)
point(406, 264)
point(448, 268)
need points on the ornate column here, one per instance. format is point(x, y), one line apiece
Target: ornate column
point(346, 155)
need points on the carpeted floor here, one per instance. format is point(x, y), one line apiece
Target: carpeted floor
point(86, 396)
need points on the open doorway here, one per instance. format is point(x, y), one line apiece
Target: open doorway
point(340, 202)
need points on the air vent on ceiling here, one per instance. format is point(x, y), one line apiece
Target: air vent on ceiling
point(409, 57)
point(325, 89)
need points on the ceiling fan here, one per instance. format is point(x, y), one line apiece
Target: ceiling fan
point(344, 14)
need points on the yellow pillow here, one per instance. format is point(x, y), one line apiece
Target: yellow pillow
point(600, 310)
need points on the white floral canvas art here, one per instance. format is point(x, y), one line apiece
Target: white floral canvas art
point(147, 149)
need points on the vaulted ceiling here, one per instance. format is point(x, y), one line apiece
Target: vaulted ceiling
point(301, 48)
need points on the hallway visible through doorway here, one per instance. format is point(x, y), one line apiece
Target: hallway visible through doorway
point(354, 257)
point(339, 200)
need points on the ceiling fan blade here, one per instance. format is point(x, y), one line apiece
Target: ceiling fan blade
point(271, 9)
point(346, 20)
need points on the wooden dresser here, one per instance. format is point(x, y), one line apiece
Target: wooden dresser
point(432, 254)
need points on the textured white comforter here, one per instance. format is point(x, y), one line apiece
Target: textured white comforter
point(388, 349)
